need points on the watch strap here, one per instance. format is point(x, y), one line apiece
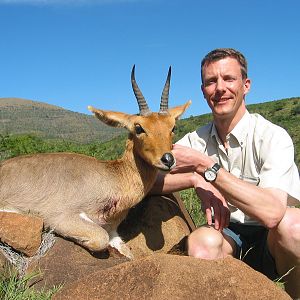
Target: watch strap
point(216, 167)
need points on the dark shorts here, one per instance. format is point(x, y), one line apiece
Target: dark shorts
point(252, 248)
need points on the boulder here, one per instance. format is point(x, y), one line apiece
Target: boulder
point(6, 268)
point(164, 276)
point(155, 225)
point(21, 232)
point(66, 262)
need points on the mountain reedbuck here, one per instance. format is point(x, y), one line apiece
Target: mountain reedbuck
point(85, 199)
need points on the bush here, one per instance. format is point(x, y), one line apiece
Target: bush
point(295, 110)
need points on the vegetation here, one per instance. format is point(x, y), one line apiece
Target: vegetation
point(11, 146)
point(13, 287)
point(193, 206)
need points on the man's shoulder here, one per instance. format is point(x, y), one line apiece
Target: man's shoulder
point(265, 128)
point(204, 130)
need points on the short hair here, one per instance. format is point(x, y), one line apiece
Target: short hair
point(221, 53)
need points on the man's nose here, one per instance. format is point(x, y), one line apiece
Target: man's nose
point(221, 87)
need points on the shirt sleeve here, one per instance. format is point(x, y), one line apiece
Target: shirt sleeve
point(278, 169)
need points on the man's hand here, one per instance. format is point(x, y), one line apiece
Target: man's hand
point(211, 198)
point(190, 160)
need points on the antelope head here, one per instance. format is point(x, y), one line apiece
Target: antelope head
point(151, 133)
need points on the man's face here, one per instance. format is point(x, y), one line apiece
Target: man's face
point(223, 87)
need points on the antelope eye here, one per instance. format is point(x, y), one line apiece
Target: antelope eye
point(139, 129)
point(174, 129)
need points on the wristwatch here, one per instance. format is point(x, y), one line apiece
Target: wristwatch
point(210, 174)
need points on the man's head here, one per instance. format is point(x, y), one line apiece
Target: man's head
point(225, 84)
point(221, 53)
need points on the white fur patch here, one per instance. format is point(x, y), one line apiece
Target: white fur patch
point(83, 216)
point(9, 210)
point(114, 240)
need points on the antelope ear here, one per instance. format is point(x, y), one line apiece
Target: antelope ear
point(177, 111)
point(112, 118)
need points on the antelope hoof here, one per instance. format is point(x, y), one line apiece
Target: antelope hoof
point(117, 244)
point(120, 252)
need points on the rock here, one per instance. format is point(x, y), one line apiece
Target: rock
point(156, 224)
point(21, 232)
point(66, 262)
point(3, 262)
point(6, 268)
point(165, 276)
point(153, 228)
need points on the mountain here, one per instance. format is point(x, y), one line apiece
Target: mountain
point(20, 116)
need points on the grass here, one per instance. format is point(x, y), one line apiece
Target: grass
point(193, 206)
point(12, 287)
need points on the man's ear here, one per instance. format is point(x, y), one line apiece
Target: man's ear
point(202, 89)
point(247, 86)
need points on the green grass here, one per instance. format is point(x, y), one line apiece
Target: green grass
point(13, 287)
point(193, 206)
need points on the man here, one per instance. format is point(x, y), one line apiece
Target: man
point(242, 167)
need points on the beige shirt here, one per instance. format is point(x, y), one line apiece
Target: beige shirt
point(259, 152)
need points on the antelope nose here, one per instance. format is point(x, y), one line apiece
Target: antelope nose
point(168, 160)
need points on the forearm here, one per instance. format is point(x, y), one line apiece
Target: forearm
point(170, 183)
point(265, 205)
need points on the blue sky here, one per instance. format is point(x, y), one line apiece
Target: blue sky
point(78, 53)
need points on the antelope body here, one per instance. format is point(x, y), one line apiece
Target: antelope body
point(83, 198)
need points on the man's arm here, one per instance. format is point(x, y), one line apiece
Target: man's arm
point(170, 183)
point(267, 205)
point(210, 197)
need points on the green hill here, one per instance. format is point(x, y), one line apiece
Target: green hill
point(20, 116)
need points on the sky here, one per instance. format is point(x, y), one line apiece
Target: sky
point(75, 53)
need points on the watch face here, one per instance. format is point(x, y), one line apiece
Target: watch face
point(210, 175)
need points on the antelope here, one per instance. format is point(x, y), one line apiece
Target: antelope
point(85, 199)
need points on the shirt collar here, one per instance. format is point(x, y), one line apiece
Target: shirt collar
point(240, 131)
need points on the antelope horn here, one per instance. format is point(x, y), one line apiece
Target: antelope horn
point(144, 109)
point(165, 95)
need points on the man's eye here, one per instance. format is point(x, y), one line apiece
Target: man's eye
point(209, 82)
point(229, 79)
point(139, 129)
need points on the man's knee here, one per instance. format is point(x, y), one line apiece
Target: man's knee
point(287, 234)
point(290, 224)
point(206, 243)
